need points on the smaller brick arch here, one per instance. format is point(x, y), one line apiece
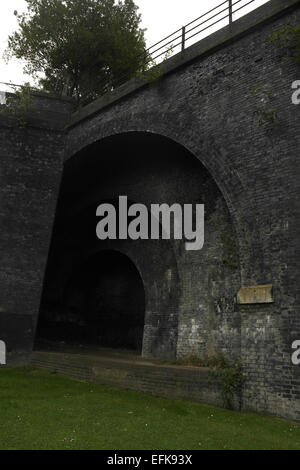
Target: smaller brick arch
point(103, 304)
point(161, 292)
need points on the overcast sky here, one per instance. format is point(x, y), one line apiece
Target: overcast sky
point(160, 17)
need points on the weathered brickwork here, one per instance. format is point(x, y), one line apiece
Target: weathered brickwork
point(31, 166)
point(190, 306)
point(247, 174)
point(160, 380)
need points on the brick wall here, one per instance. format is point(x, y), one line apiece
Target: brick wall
point(204, 104)
point(30, 172)
point(207, 105)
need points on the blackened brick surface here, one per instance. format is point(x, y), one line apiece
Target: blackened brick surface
point(207, 106)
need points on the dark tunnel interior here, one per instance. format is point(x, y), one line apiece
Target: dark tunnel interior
point(103, 304)
point(92, 293)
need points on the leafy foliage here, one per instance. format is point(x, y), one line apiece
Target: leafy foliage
point(19, 106)
point(227, 373)
point(152, 72)
point(230, 378)
point(288, 37)
point(230, 257)
point(84, 47)
point(264, 113)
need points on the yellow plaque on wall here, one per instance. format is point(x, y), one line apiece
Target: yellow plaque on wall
point(255, 295)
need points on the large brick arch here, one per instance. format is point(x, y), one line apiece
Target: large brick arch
point(183, 278)
point(214, 157)
point(205, 103)
point(204, 147)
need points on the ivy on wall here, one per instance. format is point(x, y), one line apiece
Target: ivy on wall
point(153, 72)
point(228, 374)
point(264, 112)
point(230, 257)
point(19, 106)
point(287, 38)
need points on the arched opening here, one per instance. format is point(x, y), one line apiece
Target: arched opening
point(103, 304)
point(190, 294)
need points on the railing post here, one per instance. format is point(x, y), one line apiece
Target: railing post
point(183, 38)
point(230, 15)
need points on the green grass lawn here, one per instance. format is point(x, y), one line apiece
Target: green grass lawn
point(40, 410)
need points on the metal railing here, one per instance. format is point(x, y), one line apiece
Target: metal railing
point(222, 15)
point(214, 19)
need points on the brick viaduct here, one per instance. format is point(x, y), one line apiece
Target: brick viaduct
point(194, 136)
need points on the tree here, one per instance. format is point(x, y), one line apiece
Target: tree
point(86, 47)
